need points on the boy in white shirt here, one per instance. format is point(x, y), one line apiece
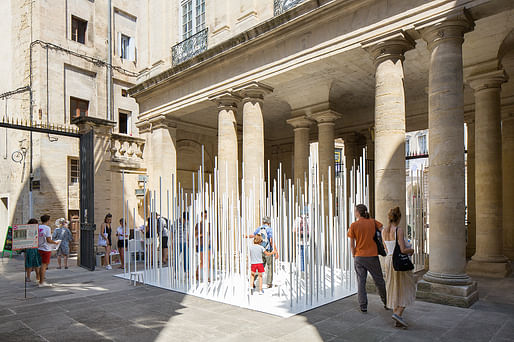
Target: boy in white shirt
point(257, 266)
point(45, 251)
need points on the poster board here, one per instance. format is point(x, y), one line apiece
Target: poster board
point(8, 240)
point(24, 236)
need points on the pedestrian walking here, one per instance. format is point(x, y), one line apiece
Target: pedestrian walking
point(400, 285)
point(44, 249)
point(257, 252)
point(365, 252)
point(62, 233)
point(33, 259)
point(266, 233)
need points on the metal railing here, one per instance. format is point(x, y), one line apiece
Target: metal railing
point(281, 6)
point(189, 47)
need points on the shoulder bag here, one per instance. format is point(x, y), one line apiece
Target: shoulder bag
point(380, 244)
point(401, 262)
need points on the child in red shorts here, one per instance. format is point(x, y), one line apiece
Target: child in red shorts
point(257, 266)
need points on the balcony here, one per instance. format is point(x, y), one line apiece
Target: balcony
point(127, 150)
point(281, 6)
point(189, 47)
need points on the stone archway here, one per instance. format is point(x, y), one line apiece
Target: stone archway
point(189, 161)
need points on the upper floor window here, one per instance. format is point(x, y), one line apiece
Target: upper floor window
point(193, 17)
point(124, 123)
point(74, 170)
point(78, 29)
point(407, 147)
point(78, 107)
point(126, 47)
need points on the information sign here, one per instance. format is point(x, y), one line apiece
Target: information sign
point(24, 236)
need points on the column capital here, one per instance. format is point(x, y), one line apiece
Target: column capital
point(253, 91)
point(325, 117)
point(300, 122)
point(487, 80)
point(450, 26)
point(161, 121)
point(226, 100)
point(390, 47)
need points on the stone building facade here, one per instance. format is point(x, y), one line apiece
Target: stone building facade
point(60, 50)
point(263, 79)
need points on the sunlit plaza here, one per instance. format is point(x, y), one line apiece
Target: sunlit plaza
point(197, 170)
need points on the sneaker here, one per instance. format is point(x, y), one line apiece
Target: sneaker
point(66, 267)
point(45, 284)
point(261, 293)
point(385, 307)
point(400, 320)
point(364, 310)
point(108, 267)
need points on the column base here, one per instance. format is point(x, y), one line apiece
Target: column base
point(455, 295)
point(489, 269)
point(448, 289)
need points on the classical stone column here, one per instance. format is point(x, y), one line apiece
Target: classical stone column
point(446, 280)
point(326, 159)
point(369, 134)
point(227, 146)
point(163, 154)
point(471, 245)
point(508, 185)
point(390, 188)
point(252, 95)
point(488, 259)
point(301, 126)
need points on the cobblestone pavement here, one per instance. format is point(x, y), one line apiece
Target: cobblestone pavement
point(94, 306)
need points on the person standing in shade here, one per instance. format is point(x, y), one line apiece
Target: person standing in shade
point(203, 231)
point(181, 236)
point(266, 233)
point(33, 259)
point(400, 285)
point(105, 230)
point(45, 251)
point(365, 252)
point(122, 241)
point(64, 234)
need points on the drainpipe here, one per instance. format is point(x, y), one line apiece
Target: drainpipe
point(109, 68)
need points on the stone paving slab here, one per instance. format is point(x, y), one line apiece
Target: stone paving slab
point(96, 306)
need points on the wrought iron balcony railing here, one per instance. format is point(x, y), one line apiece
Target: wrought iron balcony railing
point(190, 47)
point(281, 6)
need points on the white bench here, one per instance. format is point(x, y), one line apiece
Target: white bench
point(137, 277)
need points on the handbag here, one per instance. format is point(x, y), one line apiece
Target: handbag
point(380, 244)
point(401, 262)
point(101, 240)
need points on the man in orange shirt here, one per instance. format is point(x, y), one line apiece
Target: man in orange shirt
point(364, 250)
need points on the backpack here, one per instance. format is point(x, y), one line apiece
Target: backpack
point(263, 233)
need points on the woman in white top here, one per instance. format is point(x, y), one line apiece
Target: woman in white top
point(123, 237)
point(400, 285)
